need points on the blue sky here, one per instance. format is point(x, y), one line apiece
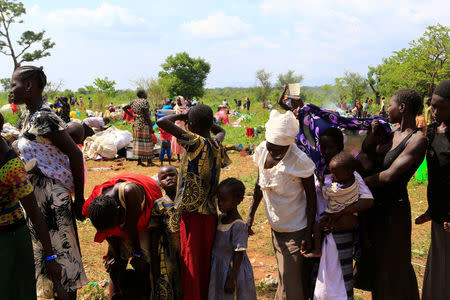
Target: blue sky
point(126, 40)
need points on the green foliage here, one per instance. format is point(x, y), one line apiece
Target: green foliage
point(10, 13)
point(93, 292)
point(263, 78)
point(83, 91)
point(157, 89)
point(352, 84)
point(104, 85)
point(185, 75)
point(11, 118)
point(6, 84)
point(421, 66)
point(288, 77)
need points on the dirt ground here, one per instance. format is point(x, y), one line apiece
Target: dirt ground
point(260, 249)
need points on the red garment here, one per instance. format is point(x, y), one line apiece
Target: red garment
point(154, 139)
point(152, 191)
point(250, 132)
point(197, 234)
point(127, 117)
point(164, 135)
point(14, 108)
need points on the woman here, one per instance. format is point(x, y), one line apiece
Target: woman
point(385, 268)
point(142, 129)
point(120, 210)
point(58, 174)
point(435, 281)
point(179, 108)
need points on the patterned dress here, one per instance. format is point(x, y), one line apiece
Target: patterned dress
point(166, 220)
point(17, 273)
point(55, 201)
point(142, 131)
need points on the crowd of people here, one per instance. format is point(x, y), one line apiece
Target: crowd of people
point(324, 210)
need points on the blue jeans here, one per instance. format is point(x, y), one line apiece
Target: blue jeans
point(165, 149)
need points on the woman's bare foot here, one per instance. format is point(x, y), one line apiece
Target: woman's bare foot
point(423, 218)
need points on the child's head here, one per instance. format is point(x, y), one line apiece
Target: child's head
point(342, 166)
point(105, 213)
point(200, 118)
point(76, 132)
point(168, 176)
point(230, 193)
point(106, 120)
point(331, 142)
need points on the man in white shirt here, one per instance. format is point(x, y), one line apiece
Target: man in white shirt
point(286, 183)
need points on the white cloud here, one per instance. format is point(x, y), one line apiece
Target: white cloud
point(216, 27)
point(105, 16)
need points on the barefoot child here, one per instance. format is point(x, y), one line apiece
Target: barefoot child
point(343, 192)
point(197, 187)
point(231, 271)
point(165, 225)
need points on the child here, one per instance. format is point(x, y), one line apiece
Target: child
point(343, 192)
point(197, 185)
point(165, 139)
point(231, 271)
point(165, 225)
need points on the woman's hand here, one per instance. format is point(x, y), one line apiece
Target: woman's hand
point(78, 208)
point(329, 220)
point(230, 285)
point(54, 274)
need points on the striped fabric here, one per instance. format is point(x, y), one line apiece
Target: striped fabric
point(344, 244)
point(142, 143)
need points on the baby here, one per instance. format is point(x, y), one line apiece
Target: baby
point(343, 192)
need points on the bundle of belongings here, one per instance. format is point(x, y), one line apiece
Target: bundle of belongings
point(106, 144)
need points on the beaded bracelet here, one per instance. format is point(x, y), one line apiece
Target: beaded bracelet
point(52, 257)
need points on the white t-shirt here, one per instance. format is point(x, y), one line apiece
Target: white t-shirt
point(283, 192)
point(94, 122)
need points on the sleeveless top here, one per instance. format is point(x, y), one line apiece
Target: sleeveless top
point(396, 192)
point(438, 161)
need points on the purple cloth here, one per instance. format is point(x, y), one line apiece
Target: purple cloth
point(313, 120)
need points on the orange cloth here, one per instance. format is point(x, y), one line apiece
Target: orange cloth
point(152, 192)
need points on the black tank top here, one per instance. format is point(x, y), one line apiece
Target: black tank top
point(395, 193)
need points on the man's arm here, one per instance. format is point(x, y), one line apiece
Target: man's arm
point(257, 196)
point(281, 99)
point(167, 124)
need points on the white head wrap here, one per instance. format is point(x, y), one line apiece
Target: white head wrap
point(282, 129)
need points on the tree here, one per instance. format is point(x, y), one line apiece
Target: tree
point(83, 91)
point(104, 86)
point(374, 82)
point(185, 75)
point(52, 87)
point(264, 80)
point(421, 66)
point(288, 77)
point(10, 13)
point(353, 84)
point(6, 84)
point(156, 88)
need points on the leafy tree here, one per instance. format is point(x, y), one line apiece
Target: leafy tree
point(353, 84)
point(83, 91)
point(288, 77)
point(104, 86)
point(10, 13)
point(421, 66)
point(374, 82)
point(6, 84)
point(185, 75)
point(263, 78)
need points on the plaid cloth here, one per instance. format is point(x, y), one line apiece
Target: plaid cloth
point(142, 143)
